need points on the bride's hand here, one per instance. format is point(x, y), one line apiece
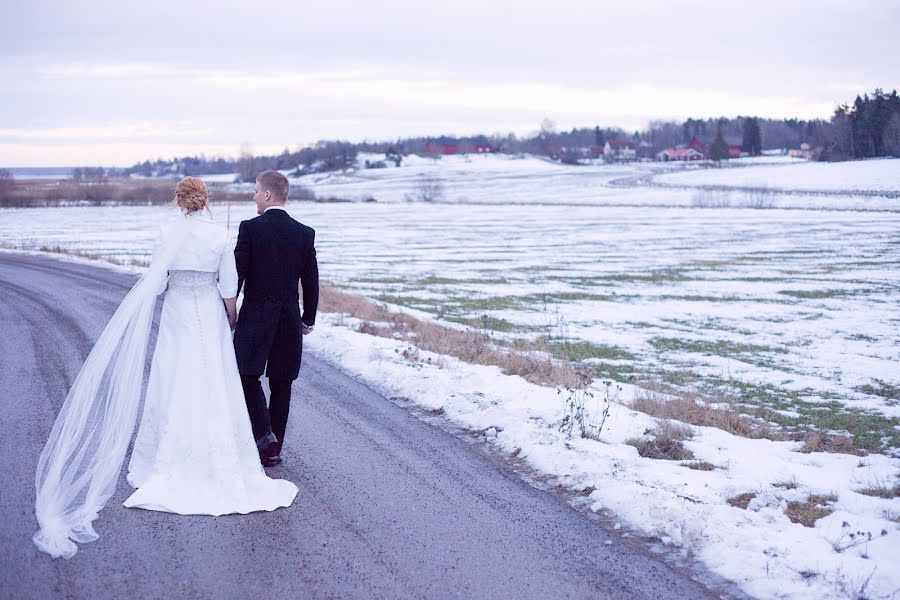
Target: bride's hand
point(231, 311)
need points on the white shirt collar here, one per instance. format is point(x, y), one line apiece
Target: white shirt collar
point(276, 207)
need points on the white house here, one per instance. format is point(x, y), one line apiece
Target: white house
point(616, 150)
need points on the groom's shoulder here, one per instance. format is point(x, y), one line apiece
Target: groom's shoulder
point(251, 223)
point(305, 229)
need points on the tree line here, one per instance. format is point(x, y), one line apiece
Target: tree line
point(870, 127)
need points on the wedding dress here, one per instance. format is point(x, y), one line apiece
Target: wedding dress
point(194, 452)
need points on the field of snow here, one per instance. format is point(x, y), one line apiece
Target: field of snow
point(792, 310)
point(869, 176)
point(503, 179)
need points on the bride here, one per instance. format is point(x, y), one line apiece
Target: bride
point(194, 452)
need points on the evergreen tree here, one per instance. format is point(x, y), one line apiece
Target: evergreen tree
point(751, 142)
point(599, 137)
point(718, 151)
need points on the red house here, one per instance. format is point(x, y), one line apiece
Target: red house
point(443, 149)
point(734, 150)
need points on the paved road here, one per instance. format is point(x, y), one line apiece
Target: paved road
point(389, 506)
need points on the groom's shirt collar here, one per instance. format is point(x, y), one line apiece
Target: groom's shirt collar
point(275, 208)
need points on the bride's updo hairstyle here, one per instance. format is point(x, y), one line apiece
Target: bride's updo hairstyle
point(191, 194)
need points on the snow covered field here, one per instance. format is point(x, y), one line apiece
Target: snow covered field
point(502, 179)
point(791, 310)
point(870, 176)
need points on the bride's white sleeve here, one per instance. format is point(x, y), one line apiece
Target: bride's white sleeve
point(159, 250)
point(228, 278)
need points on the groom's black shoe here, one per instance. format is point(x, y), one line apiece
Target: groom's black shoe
point(272, 461)
point(267, 446)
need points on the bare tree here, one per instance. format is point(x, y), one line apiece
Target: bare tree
point(429, 188)
point(247, 165)
point(7, 182)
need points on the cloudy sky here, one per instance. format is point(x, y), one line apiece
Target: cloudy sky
point(103, 82)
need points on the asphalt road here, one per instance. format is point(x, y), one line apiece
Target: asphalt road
point(389, 506)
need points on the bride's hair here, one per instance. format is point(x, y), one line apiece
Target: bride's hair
point(191, 194)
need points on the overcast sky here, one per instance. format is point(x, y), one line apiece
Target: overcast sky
point(111, 83)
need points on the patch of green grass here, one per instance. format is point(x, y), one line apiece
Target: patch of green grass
point(707, 324)
point(677, 377)
point(489, 323)
point(379, 280)
point(610, 371)
point(694, 298)
point(878, 387)
point(426, 304)
point(859, 337)
point(724, 348)
point(870, 430)
point(813, 294)
point(578, 350)
point(577, 296)
point(435, 280)
point(656, 277)
point(473, 305)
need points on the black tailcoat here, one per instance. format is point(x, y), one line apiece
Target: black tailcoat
point(274, 253)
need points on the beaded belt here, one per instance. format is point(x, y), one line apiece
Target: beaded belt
point(192, 279)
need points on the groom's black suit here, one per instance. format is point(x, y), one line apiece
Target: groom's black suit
point(273, 254)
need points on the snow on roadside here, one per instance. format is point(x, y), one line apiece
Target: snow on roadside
point(758, 548)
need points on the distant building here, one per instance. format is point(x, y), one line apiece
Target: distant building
point(619, 150)
point(436, 148)
point(685, 154)
point(734, 150)
point(805, 151)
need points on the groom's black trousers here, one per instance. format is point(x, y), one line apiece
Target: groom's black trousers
point(276, 417)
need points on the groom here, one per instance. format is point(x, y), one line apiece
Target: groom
point(273, 253)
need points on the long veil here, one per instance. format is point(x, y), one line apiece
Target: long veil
point(80, 464)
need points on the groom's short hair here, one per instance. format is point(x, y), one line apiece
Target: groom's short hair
point(274, 182)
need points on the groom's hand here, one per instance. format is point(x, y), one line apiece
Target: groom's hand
point(307, 329)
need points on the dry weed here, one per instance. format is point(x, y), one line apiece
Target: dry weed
point(688, 408)
point(664, 442)
point(468, 345)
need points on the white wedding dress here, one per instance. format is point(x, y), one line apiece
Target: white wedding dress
point(194, 452)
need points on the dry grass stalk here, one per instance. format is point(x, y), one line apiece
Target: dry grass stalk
point(881, 489)
point(699, 465)
point(741, 500)
point(840, 444)
point(664, 442)
point(688, 408)
point(468, 345)
point(787, 484)
point(807, 512)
